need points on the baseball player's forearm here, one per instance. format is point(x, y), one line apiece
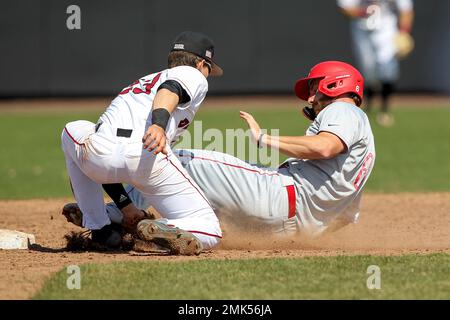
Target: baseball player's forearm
point(356, 12)
point(406, 19)
point(322, 146)
point(164, 104)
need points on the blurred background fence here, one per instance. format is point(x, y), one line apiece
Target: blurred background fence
point(263, 46)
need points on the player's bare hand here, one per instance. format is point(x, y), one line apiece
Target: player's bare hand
point(155, 140)
point(252, 124)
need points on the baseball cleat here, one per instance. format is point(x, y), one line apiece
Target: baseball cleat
point(178, 241)
point(73, 214)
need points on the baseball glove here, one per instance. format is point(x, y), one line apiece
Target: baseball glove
point(404, 44)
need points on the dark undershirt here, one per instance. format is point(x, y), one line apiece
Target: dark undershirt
point(175, 87)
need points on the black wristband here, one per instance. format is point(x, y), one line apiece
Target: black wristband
point(118, 194)
point(160, 117)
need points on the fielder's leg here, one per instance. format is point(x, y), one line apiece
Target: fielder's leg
point(366, 60)
point(388, 69)
point(88, 193)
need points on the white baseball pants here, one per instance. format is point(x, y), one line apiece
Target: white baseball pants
point(94, 158)
point(375, 53)
point(245, 195)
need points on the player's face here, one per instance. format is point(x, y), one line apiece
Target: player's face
point(316, 98)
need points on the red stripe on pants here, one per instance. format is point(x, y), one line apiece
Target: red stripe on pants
point(291, 199)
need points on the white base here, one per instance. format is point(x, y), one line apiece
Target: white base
point(10, 239)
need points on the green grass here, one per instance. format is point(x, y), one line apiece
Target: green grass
point(31, 160)
point(343, 277)
point(411, 156)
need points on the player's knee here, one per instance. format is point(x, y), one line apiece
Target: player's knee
point(210, 234)
point(208, 241)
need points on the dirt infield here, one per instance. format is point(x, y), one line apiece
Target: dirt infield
point(389, 224)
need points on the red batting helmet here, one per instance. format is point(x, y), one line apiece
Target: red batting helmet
point(336, 78)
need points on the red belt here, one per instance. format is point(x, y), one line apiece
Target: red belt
point(291, 199)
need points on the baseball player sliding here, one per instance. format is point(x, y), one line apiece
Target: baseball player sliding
point(318, 189)
point(128, 144)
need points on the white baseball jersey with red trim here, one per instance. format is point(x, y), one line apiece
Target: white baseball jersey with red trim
point(132, 107)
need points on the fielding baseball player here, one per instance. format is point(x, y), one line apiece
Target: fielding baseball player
point(380, 31)
point(318, 189)
point(128, 144)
